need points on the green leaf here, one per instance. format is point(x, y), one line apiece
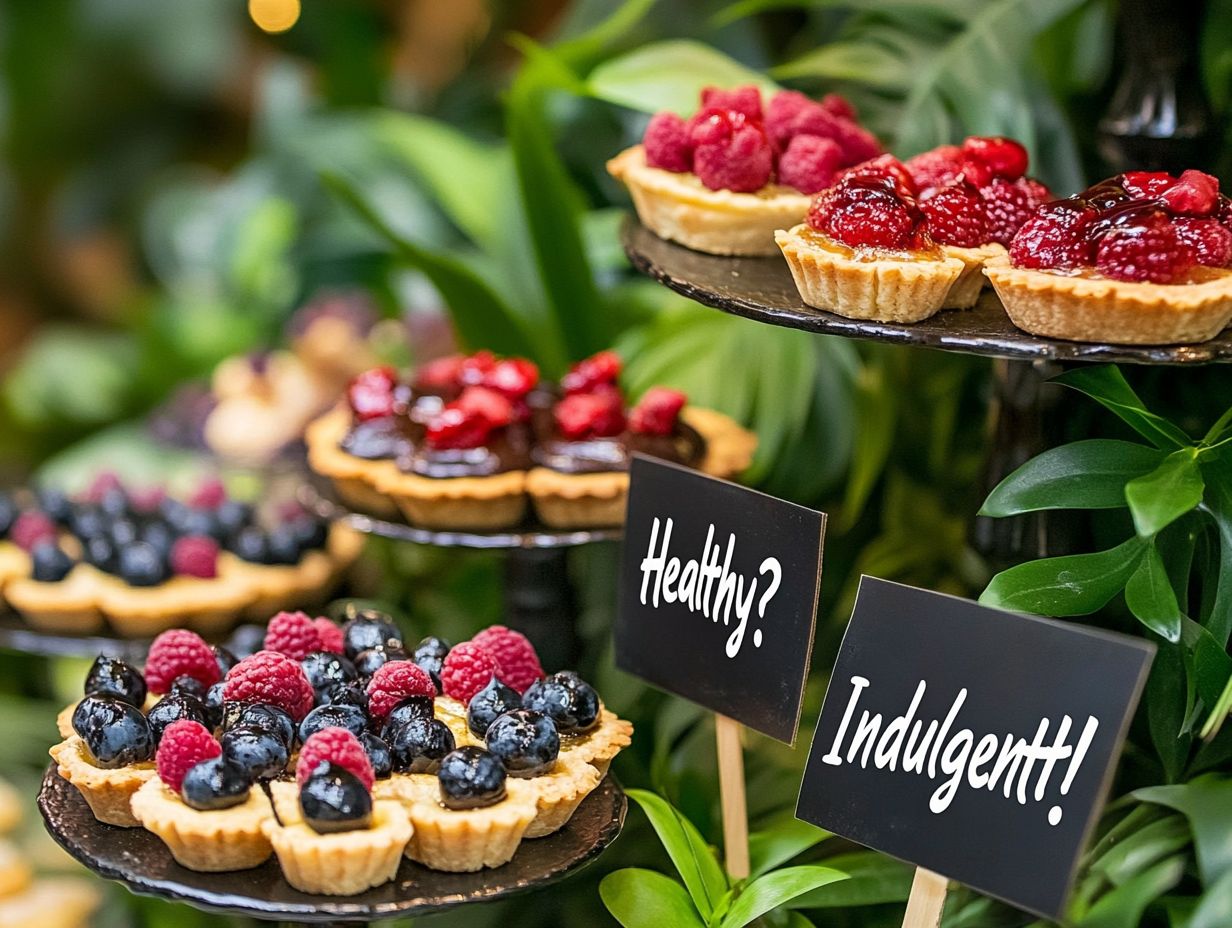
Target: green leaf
point(1108, 386)
point(1161, 497)
point(1207, 803)
point(1088, 474)
point(99, 390)
point(1077, 584)
point(578, 50)
point(1214, 909)
point(876, 409)
point(1142, 849)
point(640, 898)
point(669, 75)
point(867, 62)
point(774, 889)
point(1124, 906)
point(693, 859)
point(1169, 703)
point(1218, 504)
point(770, 847)
point(1150, 596)
point(873, 879)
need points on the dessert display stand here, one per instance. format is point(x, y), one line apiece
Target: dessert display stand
point(18, 636)
point(140, 861)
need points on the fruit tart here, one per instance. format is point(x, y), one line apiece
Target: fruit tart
point(584, 439)
point(1140, 258)
point(725, 179)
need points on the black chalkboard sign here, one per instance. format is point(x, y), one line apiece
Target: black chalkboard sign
point(976, 743)
point(718, 594)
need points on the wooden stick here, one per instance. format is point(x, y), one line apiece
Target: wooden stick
point(731, 792)
point(926, 901)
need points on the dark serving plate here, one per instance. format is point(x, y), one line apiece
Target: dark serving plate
point(17, 635)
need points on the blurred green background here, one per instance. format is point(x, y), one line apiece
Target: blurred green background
point(180, 186)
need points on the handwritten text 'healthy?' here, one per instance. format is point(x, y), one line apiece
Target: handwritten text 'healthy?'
point(983, 763)
point(705, 585)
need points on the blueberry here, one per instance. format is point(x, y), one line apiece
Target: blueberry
point(213, 705)
point(114, 503)
point(200, 522)
point(349, 694)
point(525, 741)
point(189, 685)
point(8, 513)
point(159, 536)
point(87, 521)
point(378, 755)
point(409, 709)
point(471, 778)
point(261, 754)
point(110, 676)
point(49, 563)
point(124, 532)
point(100, 552)
point(246, 640)
point(566, 699)
point(493, 700)
point(370, 661)
point(325, 670)
point(311, 533)
point(251, 545)
point(55, 503)
point(141, 565)
point(215, 784)
point(352, 718)
point(419, 745)
point(232, 515)
point(430, 655)
point(172, 708)
point(333, 799)
point(284, 547)
point(259, 715)
point(173, 512)
point(370, 629)
point(115, 734)
point(226, 660)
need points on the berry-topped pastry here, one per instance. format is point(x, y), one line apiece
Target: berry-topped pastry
point(725, 179)
point(1141, 258)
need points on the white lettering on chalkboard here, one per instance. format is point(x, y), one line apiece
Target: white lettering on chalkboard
point(705, 585)
point(985, 763)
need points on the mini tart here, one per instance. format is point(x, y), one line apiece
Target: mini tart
point(208, 842)
point(888, 287)
point(109, 793)
point(585, 500)
point(1099, 309)
point(601, 744)
point(64, 718)
point(342, 863)
point(453, 713)
point(467, 840)
point(461, 503)
point(354, 479)
point(69, 605)
point(14, 563)
point(681, 208)
point(965, 291)
point(559, 792)
point(280, 586)
point(206, 605)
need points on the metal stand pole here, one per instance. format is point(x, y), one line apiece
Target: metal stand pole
point(540, 603)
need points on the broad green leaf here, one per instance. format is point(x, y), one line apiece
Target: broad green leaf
point(669, 75)
point(1088, 474)
point(1077, 584)
point(876, 409)
point(1210, 668)
point(1207, 803)
point(1214, 909)
point(578, 50)
point(1150, 596)
point(1165, 494)
point(1169, 701)
point(1123, 907)
point(640, 898)
point(873, 879)
point(770, 847)
point(1217, 503)
point(774, 889)
point(1143, 848)
point(693, 859)
point(1108, 386)
point(867, 62)
point(1222, 708)
point(38, 393)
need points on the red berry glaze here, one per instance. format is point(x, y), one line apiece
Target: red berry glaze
point(1193, 194)
point(331, 635)
point(993, 157)
point(1055, 237)
point(467, 669)
point(881, 168)
point(335, 746)
point(293, 634)
point(454, 428)
point(864, 212)
point(1146, 185)
point(475, 367)
point(519, 664)
point(184, 745)
point(31, 528)
point(395, 681)
point(179, 653)
point(657, 412)
point(810, 163)
point(371, 394)
point(492, 405)
point(440, 373)
point(1147, 250)
point(512, 377)
point(956, 215)
point(590, 415)
point(195, 556)
point(270, 677)
point(601, 369)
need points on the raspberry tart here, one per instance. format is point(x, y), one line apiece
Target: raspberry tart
point(725, 179)
point(1140, 258)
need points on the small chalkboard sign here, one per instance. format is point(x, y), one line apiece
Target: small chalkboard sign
point(718, 594)
point(976, 743)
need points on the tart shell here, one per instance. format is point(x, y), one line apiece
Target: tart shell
point(71, 605)
point(965, 291)
point(599, 746)
point(461, 503)
point(464, 841)
point(208, 842)
point(354, 479)
point(559, 793)
point(109, 793)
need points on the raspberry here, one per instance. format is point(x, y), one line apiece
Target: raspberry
point(148, 499)
point(101, 485)
point(467, 669)
point(178, 653)
point(838, 105)
point(955, 215)
point(1193, 194)
point(785, 107)
point(1146, 185)
point(858, 143)
point(519, 664)
point(590, 415)
point(656, 413)
point(209, 495)
point(371, 394)
point(1037, 193)
point(863, 212)
point(494, 407)
point(1147, 250)
point(513, 377)
point(337, 746)
point(184, 745)
point(195, 556)
point(1210, 241)
point(473, 368)
point(273, 678)
point(1225, 211)
point(1008, 205)
point(746, 100)
point(1055, 237)
point(599, 369)
point(936, 167)
point(993, 157)
point(667, 144)
point(393, 682)
point(881, 167)
point(32, 528)
point(742, 163)
point(454, 427)
point(292, 634)
point(810, 163)
point(331, 635)
point(440, 372)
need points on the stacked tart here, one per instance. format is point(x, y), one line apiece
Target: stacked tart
point(338, 750)
point(1140, 258)
point(142, 562)
point(472, 441)
point(723, 180)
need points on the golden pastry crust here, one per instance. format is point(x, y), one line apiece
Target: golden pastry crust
point(70, 605)
point(679, 207)
point(464, 841)
point(208, 842)
point(884, 289)
point(965, 291)
point(354, 479)
point(109, 793)
point(600, 745)
point(729, 446)
point(145, 611)
point(14, 563)
point(559, 792)
point(462, 503)
point(1089, 309)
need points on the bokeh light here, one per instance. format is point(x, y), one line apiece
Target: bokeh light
point(274, 15)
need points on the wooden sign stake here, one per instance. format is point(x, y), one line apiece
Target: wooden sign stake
point(731, 793)
point(926, 901)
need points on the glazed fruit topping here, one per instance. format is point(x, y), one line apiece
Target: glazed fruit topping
point(335, 746)
point(259, 753)
point(868, 212)
point(430, 654)
point(352, 718)
point(394, 682)
point(493, 700)
point(598, 371)
point(599, 414)
point(1208, 239)
point(409, 709)
point(31, 528)
point(1009, 204)
point(373, 394)
point(141, 564)
point(989, 158)
point(657, 412)
point(1054, 237)
point(519, 664)
point(457, 428)
point(512, 377)
point(115, 734)
point(936, 167)
point(330, 631)
point(184, 745)
point(334, 799)
point(471, 778)
point(195, 556)
point(172, 708)
point(215, 784)
point(418, 744)
point(466, 670)
point(326, 669)
point(292, 634)
point(526, 742)
point(1145, 250)
point(273, 678)
point(260, 716)
point(956, 214)
point(110, 676)
point(568, 700)
point(177, 653)
point(370, 629)
point(378, 755)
